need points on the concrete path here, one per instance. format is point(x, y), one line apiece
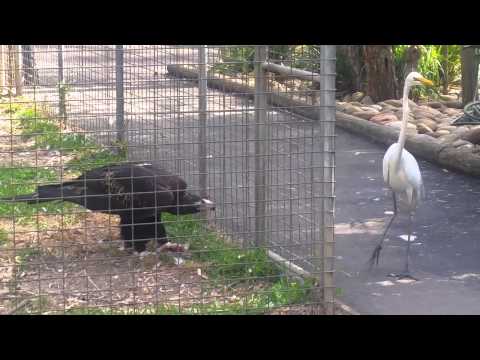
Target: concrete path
point(445, 255)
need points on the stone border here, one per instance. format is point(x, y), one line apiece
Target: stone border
point(424, 146)
point(421, 145)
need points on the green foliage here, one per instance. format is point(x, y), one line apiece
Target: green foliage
point(92, 157)
point(433, 64)
point(224, 260)
point(287, 291)
point(3, 237)
point(18, 181)
point(240, 60)
point(47, 133)
point(235, 60)
point(282, 293)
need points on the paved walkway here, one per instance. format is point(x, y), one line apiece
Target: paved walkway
point(446, 253)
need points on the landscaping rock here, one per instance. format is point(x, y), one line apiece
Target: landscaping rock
point(443, 120)
point(399, 115)
point(434, 104)
point(412, 104)
point(448, 97)
point(394, 102)
point(350, 109)
point(358, 96)
point(450, 128)
point(365, 114)
point(428, 122)
point(369, 108)
point(341, 106)
point(451, 112)
point(389, 109)
point(411, 128)
point(356, 103)
point(367, 100)
point(440, 133)
point(383, 118)
point(421, 113)
point(376, 107)
point(429, 110)
point(424, 129)
point(347, 98)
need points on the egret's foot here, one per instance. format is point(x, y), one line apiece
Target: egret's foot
point(403, 276)
point(374, 259)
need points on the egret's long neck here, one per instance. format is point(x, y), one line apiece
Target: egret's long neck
point(403, 130)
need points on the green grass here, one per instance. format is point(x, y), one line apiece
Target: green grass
point(229, 263)
point(224, 260)
point(282, 293)
point(18, 181)
point(3, 237)
point(47, 133)
point(92, 157)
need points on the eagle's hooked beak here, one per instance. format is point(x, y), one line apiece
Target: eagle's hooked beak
point(205, 204)
point(209, 204)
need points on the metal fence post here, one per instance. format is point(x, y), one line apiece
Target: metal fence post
point(30, 76)
point(62, 109)
point(327, 126)
point(202, 116)
point(120, 108)
point(260, 144)
point(2, 69)
point(18, 71)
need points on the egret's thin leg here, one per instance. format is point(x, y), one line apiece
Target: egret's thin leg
point(376, 253)
point(408, 243)
point(406, 273)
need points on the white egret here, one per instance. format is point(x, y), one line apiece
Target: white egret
point(402, 174)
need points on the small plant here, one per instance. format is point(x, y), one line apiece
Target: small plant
point(224, 260)
point(22, 256)
point(93, 157)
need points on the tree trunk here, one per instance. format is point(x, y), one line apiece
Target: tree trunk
point(30, 73)
point(412, 57)
point(380, 71)
point(469, 74)
point(445, 77)
point(352, 56)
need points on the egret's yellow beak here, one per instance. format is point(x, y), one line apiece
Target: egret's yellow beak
point(425, 81)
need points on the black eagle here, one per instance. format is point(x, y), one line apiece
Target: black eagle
point(137, 192)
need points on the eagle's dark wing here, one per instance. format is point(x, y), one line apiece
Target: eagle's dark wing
point(125, 187)
point(166, 179)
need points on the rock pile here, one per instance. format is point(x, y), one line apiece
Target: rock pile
point(431, 118)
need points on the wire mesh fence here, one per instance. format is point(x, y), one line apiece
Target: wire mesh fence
point(167, 179)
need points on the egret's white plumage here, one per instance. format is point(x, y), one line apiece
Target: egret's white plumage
point(400, 168)
point(406, 178)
